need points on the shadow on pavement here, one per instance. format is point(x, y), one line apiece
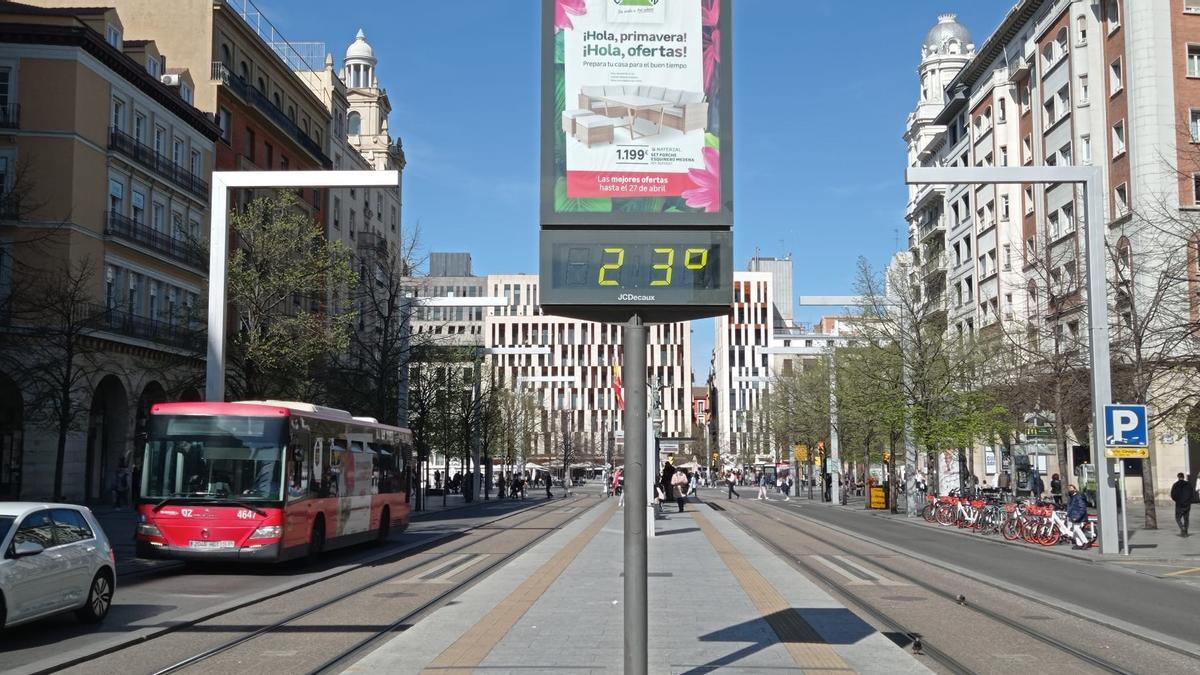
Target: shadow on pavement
point(839, 625)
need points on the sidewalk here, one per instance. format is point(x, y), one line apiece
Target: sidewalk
point(717, 600)
point(1162, 545)
point(119, 524)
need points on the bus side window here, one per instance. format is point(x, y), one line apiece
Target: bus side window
point(317, 471)
point(387, 469)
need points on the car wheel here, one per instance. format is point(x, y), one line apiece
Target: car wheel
point(385, 526)
point(99, 599)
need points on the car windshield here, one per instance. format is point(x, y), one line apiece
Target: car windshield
point(5, 525)
point(214, 458)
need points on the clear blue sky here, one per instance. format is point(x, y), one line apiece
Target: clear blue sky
point(822, 89)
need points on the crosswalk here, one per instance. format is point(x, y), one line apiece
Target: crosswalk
point(853, 573)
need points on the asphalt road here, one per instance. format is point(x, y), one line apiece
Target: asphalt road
point(150, 603)
point(1166, 607)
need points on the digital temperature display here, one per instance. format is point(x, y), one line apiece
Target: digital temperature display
point(684, 272)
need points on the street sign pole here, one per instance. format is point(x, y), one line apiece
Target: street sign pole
point(637, 660)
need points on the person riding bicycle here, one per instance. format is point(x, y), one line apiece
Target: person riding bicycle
point(1077, 515)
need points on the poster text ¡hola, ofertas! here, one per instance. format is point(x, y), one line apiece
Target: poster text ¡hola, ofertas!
point(641, 50)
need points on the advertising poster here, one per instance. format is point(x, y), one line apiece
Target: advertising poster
point(949, 477)
point(636, 110)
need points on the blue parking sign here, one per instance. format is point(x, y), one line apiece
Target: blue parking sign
point(1125, 426)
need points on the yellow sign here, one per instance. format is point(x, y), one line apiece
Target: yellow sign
point(878, 498)
point(1127, 453)
point(800, 452)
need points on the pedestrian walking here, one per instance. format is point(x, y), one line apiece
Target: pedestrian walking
point(1056, 490)
point(668, 473)
point(500, 487)
point(731, 480)
point(1036, 486)
point(762, 487)
point(787, 488)
point(1184, 495)
point(679, 489)
point(1077, 515)
point(120, 484)
point(618, 477)
point(695, 482)
point(549, 494)
point(437, 480)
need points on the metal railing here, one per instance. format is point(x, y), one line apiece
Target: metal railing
point(161, 164)
point(126, 229)
point(10, 115)
point(221, 73)
point(122, 322)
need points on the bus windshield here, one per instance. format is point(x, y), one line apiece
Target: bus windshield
point(214, 458)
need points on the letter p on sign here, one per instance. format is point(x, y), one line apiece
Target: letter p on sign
point(1125, 426)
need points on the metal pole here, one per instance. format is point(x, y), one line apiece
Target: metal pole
point(835, 458)
point(218, 244)
point(1101, 374)
point(1124, 509)
point(636, 607)
point(476, 427)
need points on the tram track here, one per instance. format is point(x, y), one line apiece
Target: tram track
point(533, 512)
point(933, 647)
point(436, 566)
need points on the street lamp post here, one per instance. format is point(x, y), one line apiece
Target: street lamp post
point(1091, 178)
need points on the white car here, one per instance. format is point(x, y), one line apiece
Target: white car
point(56, 559)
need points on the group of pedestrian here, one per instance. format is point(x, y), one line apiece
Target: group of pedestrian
point(512, 486)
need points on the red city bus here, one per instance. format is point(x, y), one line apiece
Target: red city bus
point(268, 481)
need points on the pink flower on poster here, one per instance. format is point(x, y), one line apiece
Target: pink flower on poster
point(712, 56)
point(707, 194)
point(564, 10)
point(712, 13)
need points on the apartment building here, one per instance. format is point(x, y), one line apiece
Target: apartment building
point(742, 370)
point(576, 383)
point(103, 183)
point(1110, 83)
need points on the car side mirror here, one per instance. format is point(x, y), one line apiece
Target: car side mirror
point(27, 548)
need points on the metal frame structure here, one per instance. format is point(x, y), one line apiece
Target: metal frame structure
point(1092, 180)
point(218, 239)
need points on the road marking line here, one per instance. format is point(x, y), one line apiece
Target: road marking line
point(843, 572)
point(1181, 572)
point(878, 578)
point(444, 574)
point(808, 649)
point(473, 646)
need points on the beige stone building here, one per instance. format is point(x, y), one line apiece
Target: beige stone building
point(103, 166)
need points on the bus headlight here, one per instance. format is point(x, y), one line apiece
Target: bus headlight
point(148, 530)
point(268, 532)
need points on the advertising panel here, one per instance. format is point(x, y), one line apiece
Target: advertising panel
point(636, 113)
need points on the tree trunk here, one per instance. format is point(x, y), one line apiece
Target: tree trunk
point(1148, 486)
point(1060, 432)
point(893, 488)
point(64, 421)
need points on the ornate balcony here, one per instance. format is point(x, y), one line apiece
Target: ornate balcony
point(242, 89)
point(162, 165)
point(121, 322)
point(10, 116)
point(125, 229)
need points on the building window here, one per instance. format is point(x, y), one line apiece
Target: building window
point(1002, 111)
point(197, 165)
point(118, 114)
point(1084, 95)
point(1121, 193)
point(112, 35)
point(379, 207)
point(224, 121)
point(1082, 29)
point(1118, 139)
point(1004, 155)
point(1004, 207)
point(185, 93)
point(139, 207)
point(177, 152)
point(1112, 15)
point(152, 67)
point(250, 144)
point(291, 113)
point(395, 219)
point(1115, 81)
point(1008, 259)
point(1029, 199)
point(1196, 188)
point(1085, 148)
point(157, 212)
point(160, 141)
point(139, 127)
point(116, 196)
point(337, 213)
point(1191, 6)
point(1054, 226)
point(1193, 60)
point(1027, 149)
point(269, 154)
point(354, 124)
point(1068, 215)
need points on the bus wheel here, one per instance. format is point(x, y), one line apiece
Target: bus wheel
point(316, 542)
point(385, 526)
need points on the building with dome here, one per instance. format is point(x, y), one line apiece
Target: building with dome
point(1108, 83)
